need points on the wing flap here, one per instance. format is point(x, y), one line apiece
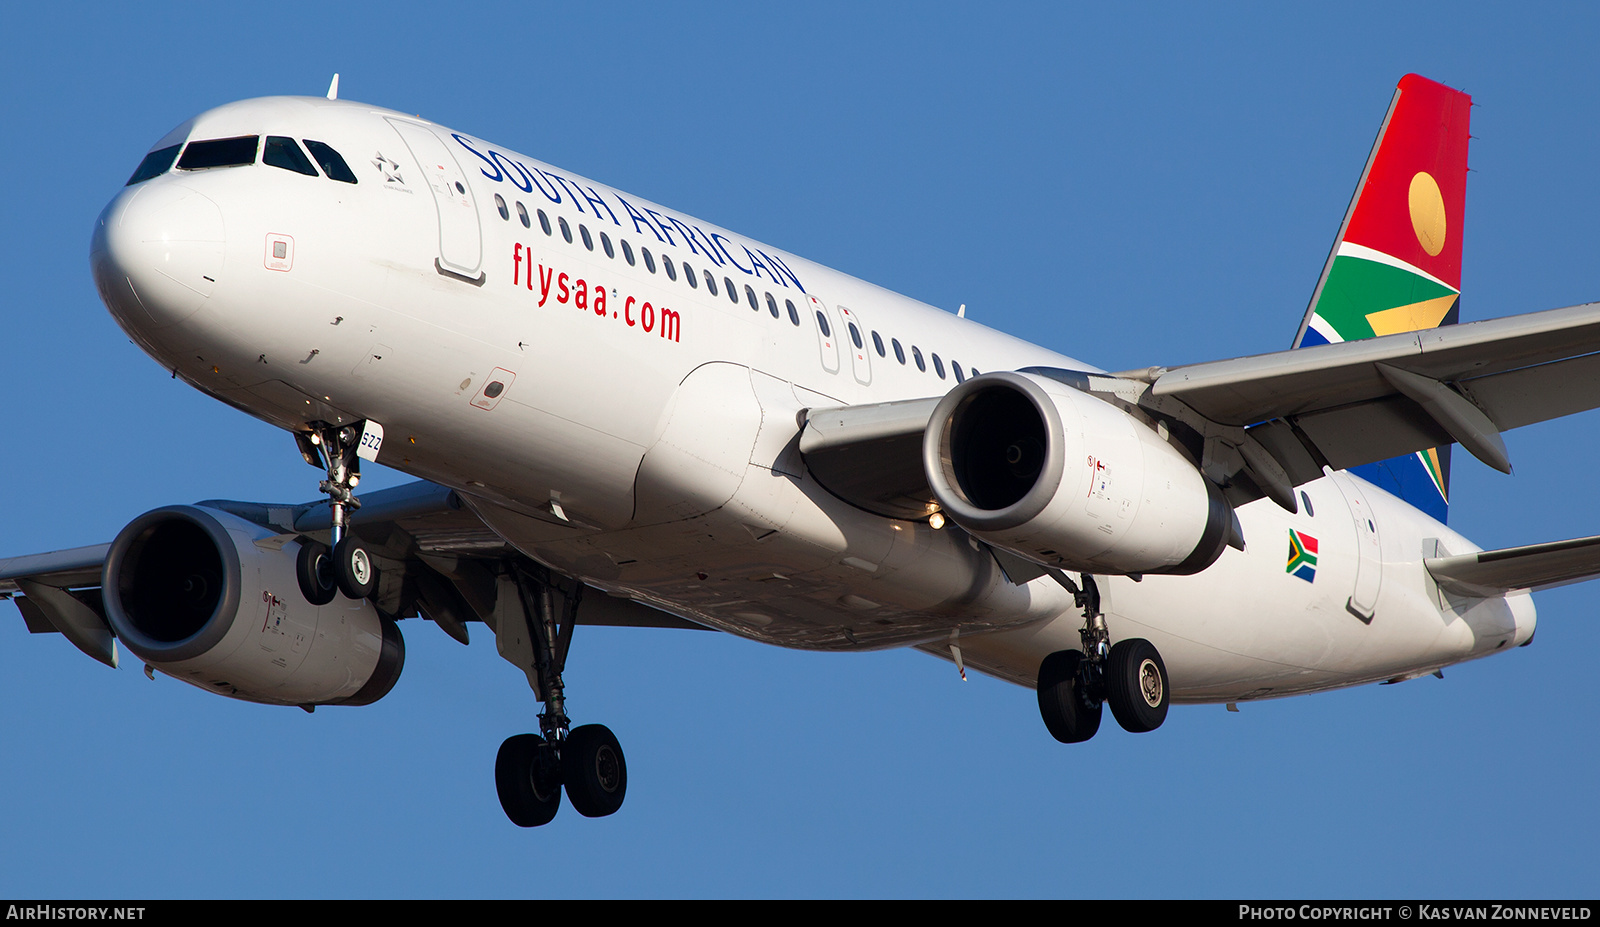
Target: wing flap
point(1536, 394)
point(1348, 436)
point(1534, 566)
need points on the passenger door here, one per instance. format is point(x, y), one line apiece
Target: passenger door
point(460, 237)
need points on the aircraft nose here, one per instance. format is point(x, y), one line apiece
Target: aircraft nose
point(157, 254)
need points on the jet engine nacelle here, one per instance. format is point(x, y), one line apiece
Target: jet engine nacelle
point(191, 592)
point(1047, 471)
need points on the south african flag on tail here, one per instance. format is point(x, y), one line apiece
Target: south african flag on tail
point(1396, 265)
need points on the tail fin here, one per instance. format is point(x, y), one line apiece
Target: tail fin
point(1396, 265)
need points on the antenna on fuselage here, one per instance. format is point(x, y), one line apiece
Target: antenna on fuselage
point(960, 313)
point(333, 88)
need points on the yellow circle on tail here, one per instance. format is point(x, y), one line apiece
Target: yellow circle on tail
point(1427, 213)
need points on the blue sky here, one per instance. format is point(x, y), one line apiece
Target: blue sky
point(1150, 186)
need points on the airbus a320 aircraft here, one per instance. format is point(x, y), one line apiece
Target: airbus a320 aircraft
point(623, 415)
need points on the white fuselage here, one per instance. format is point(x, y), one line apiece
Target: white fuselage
point(642, 433)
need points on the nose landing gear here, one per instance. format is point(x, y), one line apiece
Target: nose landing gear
point(337, 449)
point(1074, 685)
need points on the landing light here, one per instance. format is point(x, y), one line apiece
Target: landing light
point(936, 520)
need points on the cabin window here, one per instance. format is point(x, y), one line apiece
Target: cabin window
point(711, 283)
point(689, 277)
point(877, 342)
point(772, 305)
point(1305, 500)
point(499, 204)
point(899, 352)
point(587, 241)
point(522, 213)
point(750, 297)
point(667, 265)
point(733, 291)
point(938, 366)
point(605, 242)
point(855, 335)
point(566, 230)
point(649, 261)
point(916, 355)
point(332, 164)
point(793, 315)
point(822, 323)
point(219, 152)
point(956, 369)
point(283, 152)
point(627, 251)
point(544, 223)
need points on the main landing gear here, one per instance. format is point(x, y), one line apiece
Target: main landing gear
point(347, 567)
point(1074, 685)
point(532, 769)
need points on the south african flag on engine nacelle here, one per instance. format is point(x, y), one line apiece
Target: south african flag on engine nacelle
point(1302, 555)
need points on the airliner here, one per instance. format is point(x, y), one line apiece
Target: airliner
point(619, 414)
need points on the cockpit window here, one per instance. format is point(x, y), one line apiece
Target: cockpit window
point(154, 164)
point(283, 152)
point(219, 152)
point(331, 163)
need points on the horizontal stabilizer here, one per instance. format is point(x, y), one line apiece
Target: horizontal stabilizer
point(1535, 566)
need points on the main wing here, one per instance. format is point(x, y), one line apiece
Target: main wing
point(1264, 424)
point(435, 557)
point(1342, 405)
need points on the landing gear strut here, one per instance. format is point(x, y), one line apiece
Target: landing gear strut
point(532, 769)
point(336, 450)
point(1074, 685)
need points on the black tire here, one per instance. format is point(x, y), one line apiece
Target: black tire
point(593, 770)
point(528, 778)
point(313, 567)
point(353, 567)
point(1069, 716)
point(1136, 685)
